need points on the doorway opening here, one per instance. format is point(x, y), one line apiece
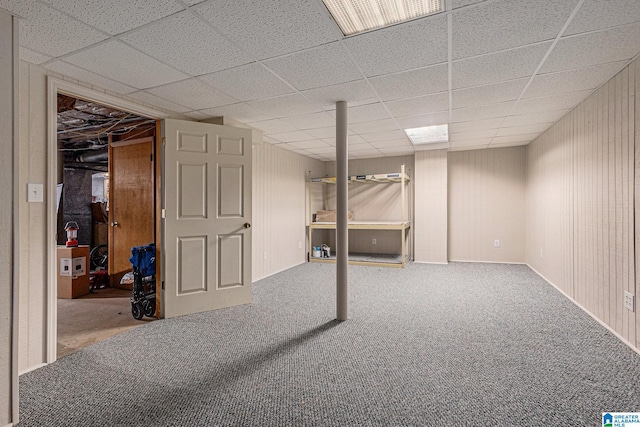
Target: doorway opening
point(106, 172)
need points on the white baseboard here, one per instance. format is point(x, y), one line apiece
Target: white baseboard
point(430, 262)
point(279, 271)
point(620, 337)
point(489, 262)
point(32, 368)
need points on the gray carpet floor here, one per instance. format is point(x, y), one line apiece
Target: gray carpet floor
point(458, 344)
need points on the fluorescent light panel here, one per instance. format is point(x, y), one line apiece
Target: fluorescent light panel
point(428, 134)
point(356, 16)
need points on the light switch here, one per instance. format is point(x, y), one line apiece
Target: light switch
point(35, 193)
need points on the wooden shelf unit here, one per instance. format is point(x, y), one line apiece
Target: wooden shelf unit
point(403, 225)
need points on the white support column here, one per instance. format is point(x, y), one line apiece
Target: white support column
point(342, 231)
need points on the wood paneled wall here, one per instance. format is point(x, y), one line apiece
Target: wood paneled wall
point(279, 208)
point(8, 240)
point(431, 206)
point(580, 203)
point(487, 203)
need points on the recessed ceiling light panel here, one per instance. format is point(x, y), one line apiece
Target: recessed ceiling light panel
point(356, 16)
point(428, 134)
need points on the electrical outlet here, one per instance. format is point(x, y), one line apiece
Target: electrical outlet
point(629, 300)
point(299, 245)
point(373, 241)
point(496, 243)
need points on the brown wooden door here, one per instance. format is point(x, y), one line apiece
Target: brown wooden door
point(131, 202)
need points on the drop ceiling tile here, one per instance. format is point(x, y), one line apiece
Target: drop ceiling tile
point(469, 142)
point(187, 44)
point(462, 3)
point(502, 25)
point(553, 102)
point(482, 112)
point(317, 67)
point(523, 130)
point(572, 80)
point(121, 63)
point(384, 136)
point(612, 45)
point(386, 51)
point(497, 67)
point(193, 2)
point(153, 100)
point(197, 115)
point(421, 120)
point(362, 146)
point(48, 30)
point(535, 118)
point(310, 121)
point(394, 143)
point(420, 105)
point(32, 56)
point(268, 28)
point(293, 136)
point(248, 82)
point(270, 140)
point(397, 151)
point(489, 94)
point(431, 147)
point(365, 113)
point(373, 126)
point(351, 92)
point(465, 136)
point(423, 81)
point(473, 126)
point(514, 139)
point(286, 105)
point(273, 126)
point(93, 79)
point(322, 133)
point(117, 16)
point(373, 154)
point(193, 93)
point(322, 150)
point(241, 111)
point(598, 14)
point(308, 145)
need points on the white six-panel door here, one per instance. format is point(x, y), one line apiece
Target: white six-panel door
point(207, 227)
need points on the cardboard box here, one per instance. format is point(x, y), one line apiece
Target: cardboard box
point(73, 278)
point(330, 216)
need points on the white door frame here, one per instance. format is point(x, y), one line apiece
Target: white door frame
point(56, 86)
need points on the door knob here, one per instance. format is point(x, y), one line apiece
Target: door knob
point(247, 225)
point(114, 224)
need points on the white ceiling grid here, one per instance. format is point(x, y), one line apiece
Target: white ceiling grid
point(500, 72)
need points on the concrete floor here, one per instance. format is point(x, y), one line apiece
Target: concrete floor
point(86, 320)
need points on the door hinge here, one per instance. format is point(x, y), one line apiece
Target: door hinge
point(151, 157)
point(163, 213)
point(163, 285)
point(164, 140)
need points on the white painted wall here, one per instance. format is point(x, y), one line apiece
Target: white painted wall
point(580, 203)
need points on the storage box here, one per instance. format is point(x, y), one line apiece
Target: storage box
point(330, 216)
point(73, 280)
